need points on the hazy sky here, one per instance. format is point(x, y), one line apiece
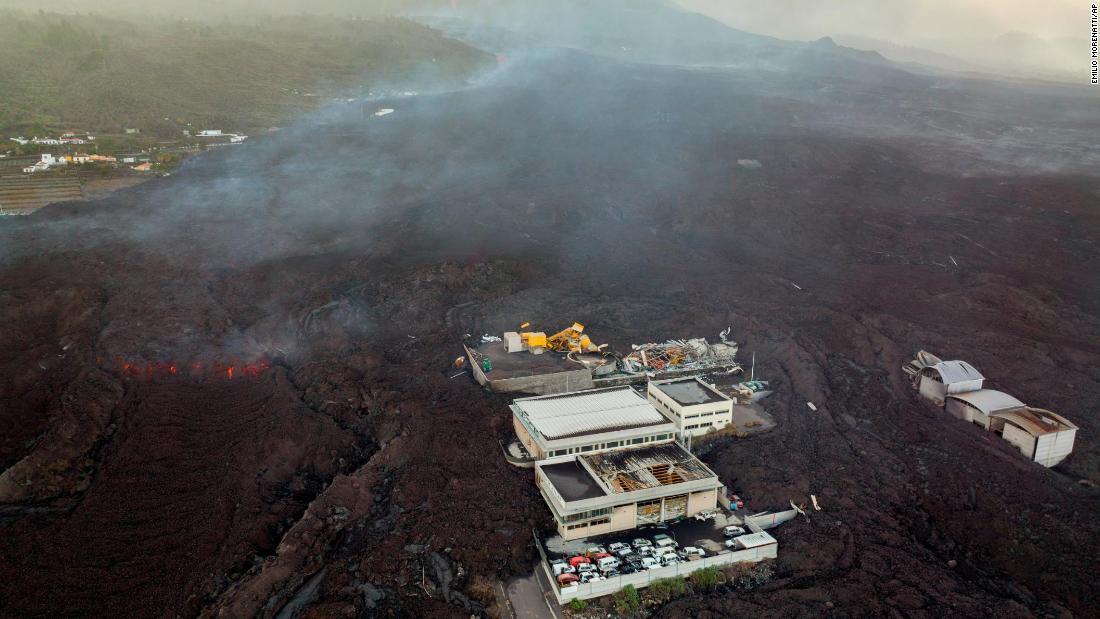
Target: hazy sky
point(970, 30)
point(903, 19)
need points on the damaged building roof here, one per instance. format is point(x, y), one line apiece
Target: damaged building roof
point(957, 372)
point(589, 412)
point(988, 400)
point(689, 391)
point(1036, 421)
point(628, 470)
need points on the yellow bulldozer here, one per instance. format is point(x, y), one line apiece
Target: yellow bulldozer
point(571, 339)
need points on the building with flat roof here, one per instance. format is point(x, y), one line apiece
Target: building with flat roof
point(598, 493)
point(695, 406)
point(590, 421)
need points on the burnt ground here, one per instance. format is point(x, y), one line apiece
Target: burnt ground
point(229, 390)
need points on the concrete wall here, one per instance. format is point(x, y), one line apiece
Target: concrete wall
point(1023, 441)
point(767, 521)
point(962, 410)
point(624, 517)
point(702, 501)
point(544, 384)
point(526, 438)
point(1050, 449)
point(932, 389)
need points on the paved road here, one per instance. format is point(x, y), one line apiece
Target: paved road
point(530, 597)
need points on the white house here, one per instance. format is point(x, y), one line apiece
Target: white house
point(948, 377)
point(695, 406)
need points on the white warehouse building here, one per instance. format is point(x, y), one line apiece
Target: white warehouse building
point(589, 421)
point(695, 406)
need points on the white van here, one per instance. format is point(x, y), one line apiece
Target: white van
point(608, 563)
point(649, 563)
point(561, 567)
point(663, 541)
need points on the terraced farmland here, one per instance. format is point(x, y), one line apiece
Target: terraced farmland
point(20, 195)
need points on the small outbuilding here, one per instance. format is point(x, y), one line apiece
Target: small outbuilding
point(1043, 436)
point(978, 406)
point(949, 377)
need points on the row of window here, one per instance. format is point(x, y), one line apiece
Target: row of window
point(589, 514)
point(668, 408)
point(710, 414)
point(701, 425)
point(609, 445)
point(594, 523)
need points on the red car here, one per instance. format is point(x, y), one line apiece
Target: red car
point(578, 560)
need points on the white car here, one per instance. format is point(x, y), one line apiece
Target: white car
point(670, 559)
point(707, 515)
point(617, 546)
point(641, 542)
point(692, 550)
point(586, 567)
point(733, 531)
point(561, 567)
point(625, 552)
point(732, 543)
point(649, 563)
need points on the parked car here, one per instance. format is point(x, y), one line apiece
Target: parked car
point(670, 559)
point(732, 543)
point(617, 546)
point(649, 563)
point(600, 555)
point(585, 567)
point(595, 550)
point(641, 542)
point(707, 515)
point(561, 567)
point(625, 553)
point(647, 551)
point(663, 541)
point(693, 550)
point(567, 579)
point(590, 577)
point(579, 560)
point(733, 531)
point(608, 563)
point(628, 568)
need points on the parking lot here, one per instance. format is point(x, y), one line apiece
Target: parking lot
point(704, 538)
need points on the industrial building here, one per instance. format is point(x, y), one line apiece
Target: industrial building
point(695, 406)
point(977, 406)
point(598, 493)
point(1039, 434)
point(948, 377)
point(589, 421)
point(1042, 436)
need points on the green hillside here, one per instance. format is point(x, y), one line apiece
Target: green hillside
point(100, 74)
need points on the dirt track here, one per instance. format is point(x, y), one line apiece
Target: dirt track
point(599, 192)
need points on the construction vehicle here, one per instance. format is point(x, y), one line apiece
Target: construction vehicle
point(571, 339)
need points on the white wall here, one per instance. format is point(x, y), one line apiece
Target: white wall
point(1050, 449)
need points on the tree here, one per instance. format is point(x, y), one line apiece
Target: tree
point(577, 605)
point(628, 600)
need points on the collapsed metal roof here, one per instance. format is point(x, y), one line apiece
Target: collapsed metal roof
point(957, 372)
point(589, 412)
point(628, 470)
point(988, 400)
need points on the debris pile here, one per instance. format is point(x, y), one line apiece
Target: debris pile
point(693, 354)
